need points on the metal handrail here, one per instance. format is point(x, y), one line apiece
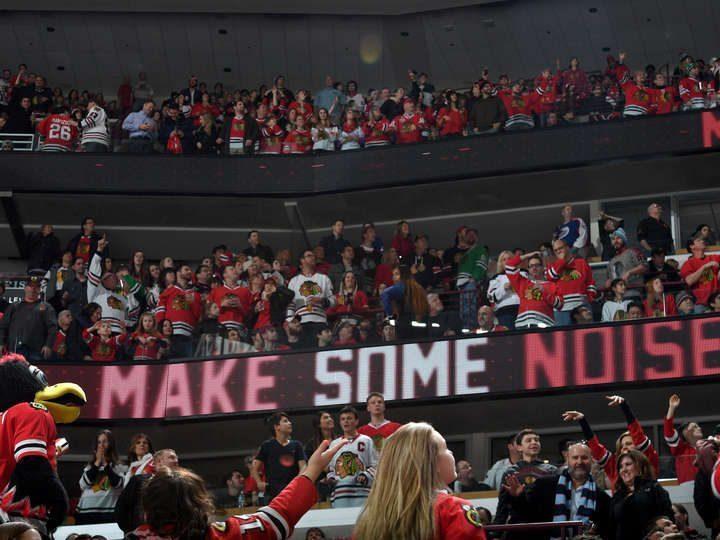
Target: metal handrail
point(21, 142)
point(564, 526)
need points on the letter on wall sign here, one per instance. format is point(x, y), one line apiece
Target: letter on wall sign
point(469, 361)
point(372, 355)
point(425, 366)
point(340, 381)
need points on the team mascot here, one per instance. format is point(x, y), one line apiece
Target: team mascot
point(30, 489)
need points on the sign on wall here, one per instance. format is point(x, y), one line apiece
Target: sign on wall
point(500, 364)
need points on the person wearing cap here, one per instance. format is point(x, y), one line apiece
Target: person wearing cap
point(658, 267)
point(694, 90)
point(653, 232)
point(29, 327)
point(408, 127)
point(488, 113)
point(628, 264)
point(685, 302)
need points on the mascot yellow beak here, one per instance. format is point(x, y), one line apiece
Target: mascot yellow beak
point(63, 400)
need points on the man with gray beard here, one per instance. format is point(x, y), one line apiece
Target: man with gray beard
point(571, 495)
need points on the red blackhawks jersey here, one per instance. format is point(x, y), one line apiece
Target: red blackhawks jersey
point(378, 433)
point(26, 429)
point(638, 99)
point(683, 453)
point(451, 121)
point(271, 141)
point(377, 132)
point(664, 100)
point(181, 307)
point(232, 317)
point(104, 350)
point(519, 107)
point(273, 522)
point(608, 461)
point(692, 92)
point(575, 283)
point(298, 141)
point(408, 127)
point(537, 298)
point(456, 519)
point(60, 135)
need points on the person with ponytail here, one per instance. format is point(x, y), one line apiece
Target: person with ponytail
point(178, 506)
point(408, 499)
point(406, 301)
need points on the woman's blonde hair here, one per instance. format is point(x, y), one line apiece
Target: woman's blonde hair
point(400, 505)
point(501, 262)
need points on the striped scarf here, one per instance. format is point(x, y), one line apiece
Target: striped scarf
point(563, 499)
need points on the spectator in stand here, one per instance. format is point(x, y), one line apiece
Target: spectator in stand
point(377, 129)
point(527, 470)
point(350, 299)
point(29, 327)
point(106, 289)
point(451, 119)
point(683, 444)
point(421, 90)
point(84, 244)
point(495, 474)
point(129, 513)
point(141, 129)
point(147, 343)
point(487, 322)
point(313, 295)
point(59, 131)
point(571, 495)
point(335, 243)
point(657, 302)
point(424, 267)
point(537, 297)
point(331, 99)
point(354, 99)
point(352, 474)
point(206, 135)
point(406, 301)
point(174, 128)
point(21, 117)
point(256, 249)
point(633, 439)
point(628, 264)
point(204, 107)
point(233, 495)
point(638, 498)
point(57, 279)
point(384, 273)
point(379, 428)
point(693, 90)
point(659, 268)
point(573, 232)
point(339, 270)
point(95, 135)
point(392, 107)
point(440, 322)
point(323, 430)
point(124, 96)
point(101, 482)
point(368, 255)
point(574, 81)
point(488, 112)
point(471, 276)
point(103, 345)
point(574, 280)
point(653, 232)
point(281, 457)
point(615, 308)
point(43, 249)
point(682, 521)
point(685, 303)
point(519, 104)
point(181, 305)
point(351, 134)
point(140, 457)
point(502, 295)
point(240, 133)
point(466, 481)
point(409, 125)
point(402, 241)
point(700, 273)
point(581, 315)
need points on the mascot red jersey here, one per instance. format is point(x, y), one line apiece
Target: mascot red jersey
point(30, 489)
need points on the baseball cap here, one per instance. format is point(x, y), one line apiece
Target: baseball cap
point(682, 296)
point(619, 233)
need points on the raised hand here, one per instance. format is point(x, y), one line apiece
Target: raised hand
point(572, 416)
point(513, 486)
point(615, 401)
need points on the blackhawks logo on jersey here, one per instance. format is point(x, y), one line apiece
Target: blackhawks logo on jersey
point(533, 293)
point(180, 303)
point(348, 464)
point(570, 275)
point(472, 515)
point(114, 303)
point(310, 288)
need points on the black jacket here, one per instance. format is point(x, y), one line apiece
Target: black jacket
point(252, 133)
point(631, 515)
point(94, 237)
point(129, 513)
point(707, 506)
point(537, 504)
point(207, 141)
point(486, 112)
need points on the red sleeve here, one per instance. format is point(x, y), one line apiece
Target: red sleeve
point(600, 454)
point(673, 439)
point(33, 431)
point(554, 269)
point(42, 126)
point(161, 307)
point(457, 519)
point(86, 335)
point(361, 300)
point(592, 291)
point(643, 443)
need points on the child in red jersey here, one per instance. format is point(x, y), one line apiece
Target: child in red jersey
point(104, 347)
point(146, 342)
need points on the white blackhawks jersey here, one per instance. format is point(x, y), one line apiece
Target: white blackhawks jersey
point(353, 468)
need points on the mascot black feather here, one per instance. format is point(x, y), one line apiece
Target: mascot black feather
point(30, 489)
